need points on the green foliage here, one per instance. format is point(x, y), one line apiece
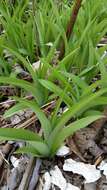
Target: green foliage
point(49, 143)
point(19, 34)
point(30, 30)
point(34, 32)
point(59, 126)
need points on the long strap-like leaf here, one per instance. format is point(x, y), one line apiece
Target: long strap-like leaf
point(74, 110)
point(45, 123)
point(70, 129)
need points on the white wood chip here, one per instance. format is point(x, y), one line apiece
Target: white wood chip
point(103, 167)
point(36, 65)
point(14, 161)
point(71, 187)
point(88, 171)
point(63, 151)
point(55, 177)
point(47, 179)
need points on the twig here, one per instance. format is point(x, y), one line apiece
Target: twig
point(27, 175)
point(7, 148)
point(71, 23)
point(34, 118)
point(98, 161)
point(73, 147)
point(27, 123)
point(73, 18)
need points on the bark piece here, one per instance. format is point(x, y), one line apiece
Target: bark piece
point(35, 175)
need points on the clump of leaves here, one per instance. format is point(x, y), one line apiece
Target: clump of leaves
point(53, 135)
point(56, 128)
